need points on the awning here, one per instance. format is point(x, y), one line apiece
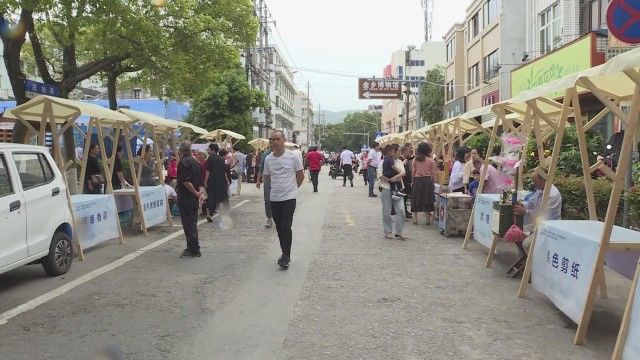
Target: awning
point(150, 119)
point(221, 135)
point(63, 110)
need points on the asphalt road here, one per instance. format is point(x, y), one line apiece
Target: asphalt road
point(349, 294)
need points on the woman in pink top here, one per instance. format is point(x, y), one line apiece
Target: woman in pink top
point(423, 172)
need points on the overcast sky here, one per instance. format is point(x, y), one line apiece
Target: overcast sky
point(355, 37)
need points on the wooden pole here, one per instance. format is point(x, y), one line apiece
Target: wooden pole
point(501, 115)
point(566, 110)
point(614, 200)
point(624, 326)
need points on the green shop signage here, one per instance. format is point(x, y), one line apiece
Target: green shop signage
point(565, 61)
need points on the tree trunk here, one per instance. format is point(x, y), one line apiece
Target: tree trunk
point(112, 82)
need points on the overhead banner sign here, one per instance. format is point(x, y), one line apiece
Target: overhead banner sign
point(379, 89)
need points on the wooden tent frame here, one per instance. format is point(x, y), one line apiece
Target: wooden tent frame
point(162, 135)
point(534, 118)
point(612, 104)
point(624, 326)
point(48, 119)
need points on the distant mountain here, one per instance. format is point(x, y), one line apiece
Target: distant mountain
point(333, 117)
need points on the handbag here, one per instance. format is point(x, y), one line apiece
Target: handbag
point(514, 234)
point(234, 175)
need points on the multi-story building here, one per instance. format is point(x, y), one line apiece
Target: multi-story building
point(454, 72)
point(283, 92)
point(303, 127)
point(411, 66)
point(494, 45)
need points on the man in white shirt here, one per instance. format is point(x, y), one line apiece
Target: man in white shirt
point(532, 208)
point(373, 162)
point(346, 162)
point(285, 172)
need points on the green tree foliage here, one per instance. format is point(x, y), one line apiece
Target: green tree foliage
point(480, 142)
point(227, 104)
point(174, 49)
point(335, 134)
point(569, 162)
point(432, 96)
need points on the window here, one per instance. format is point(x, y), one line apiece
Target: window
point(550, 37)
point(400, 72)
point(491, 66)
point(136, 93)
point(593, 15)
point(489, 12)
point(449, 93)
point(473, 27)
point(34, 169)
point(5, 181)
point(416, 62)
point(451, 51)
point(474, 76)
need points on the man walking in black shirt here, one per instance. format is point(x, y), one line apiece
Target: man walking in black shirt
point(190, 196)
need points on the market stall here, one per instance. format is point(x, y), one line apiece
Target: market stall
point(627, 346)
point(537, 118)
point(95, 219)
point(224, 138)
point(259, 144)
point(616, 84)
point(150, 202)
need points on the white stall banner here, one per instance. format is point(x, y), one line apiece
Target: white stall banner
point(563, 261)
point(631, 350)
point(154, 205)
point(483, 218)
point(96, 219)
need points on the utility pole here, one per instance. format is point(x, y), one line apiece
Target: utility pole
point(308, 114)
point(407, 94)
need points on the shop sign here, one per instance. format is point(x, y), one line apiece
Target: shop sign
point(553, 66)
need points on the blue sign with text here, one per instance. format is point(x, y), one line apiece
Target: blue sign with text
point(33, 88)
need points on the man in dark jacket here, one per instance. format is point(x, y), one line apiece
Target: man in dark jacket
point(190, 197)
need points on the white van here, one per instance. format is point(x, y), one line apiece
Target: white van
point(35, 220)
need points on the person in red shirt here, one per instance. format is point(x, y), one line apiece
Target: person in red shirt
point(314, 161)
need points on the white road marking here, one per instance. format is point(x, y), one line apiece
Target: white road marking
point(42, 299)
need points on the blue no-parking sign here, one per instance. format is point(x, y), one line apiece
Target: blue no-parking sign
point(623, 19)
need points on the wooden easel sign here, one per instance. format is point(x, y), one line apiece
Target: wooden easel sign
point(628, 344)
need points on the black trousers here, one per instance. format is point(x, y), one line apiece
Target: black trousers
point(314, 179)
point(189, 219)
point(347, 171)
point(283, 217)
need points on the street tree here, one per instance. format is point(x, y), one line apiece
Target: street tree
point(350, 132)
point(432, 96)
point(227, 104)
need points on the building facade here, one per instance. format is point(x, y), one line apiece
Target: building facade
point(303, 131)
point(411, 66)
point(454, 72)
point(282, 94)
point(495, 39)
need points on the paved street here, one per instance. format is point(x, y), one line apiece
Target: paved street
point(349, 294)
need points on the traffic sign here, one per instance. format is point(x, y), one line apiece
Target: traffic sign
point(623, 19)
point(380, 89)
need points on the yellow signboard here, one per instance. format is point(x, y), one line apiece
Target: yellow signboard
point(563, 62)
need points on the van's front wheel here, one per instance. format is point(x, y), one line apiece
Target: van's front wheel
point(60, 255)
